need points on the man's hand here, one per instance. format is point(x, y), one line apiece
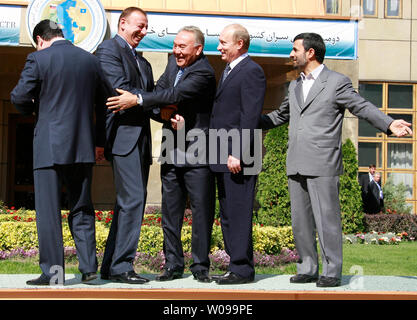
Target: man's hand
point(125, 101)
point(400, 128)
point(99, 154)
point(167, 111)
point(233, 164)
point(178, 122)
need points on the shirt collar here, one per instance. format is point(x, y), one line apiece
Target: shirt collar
point(237, 60)
point(313, 75)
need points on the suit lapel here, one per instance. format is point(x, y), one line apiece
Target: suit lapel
point(127, 53)
point(231, 75)
point(298, 90)
point(317, 87)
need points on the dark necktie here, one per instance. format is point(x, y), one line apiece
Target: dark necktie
point(141, 73)
point(226, 72)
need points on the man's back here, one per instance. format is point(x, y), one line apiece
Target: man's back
point(65, 82)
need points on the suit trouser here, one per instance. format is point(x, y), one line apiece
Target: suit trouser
point(48, 185)
point(236, 195)
point(315, 208)
point(130, 178)
point(198, 183)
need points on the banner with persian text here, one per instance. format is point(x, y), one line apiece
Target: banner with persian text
point(270, 37)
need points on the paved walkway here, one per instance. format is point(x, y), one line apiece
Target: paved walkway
point(264, 287)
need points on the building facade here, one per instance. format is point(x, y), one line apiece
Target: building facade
point(384, 70)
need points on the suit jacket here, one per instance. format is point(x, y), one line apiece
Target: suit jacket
point(315, 126)
point(375, 202)
point(121, 69)
point(238, 105)
point(193, 95)
point(61, 84)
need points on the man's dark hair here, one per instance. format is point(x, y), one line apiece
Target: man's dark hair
point(315, 41)
point(372, 166)
point(128, 11)
point(47, 30)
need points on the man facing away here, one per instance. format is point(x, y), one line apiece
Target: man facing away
point(315, 107)
point(189, 83)
point(61, 83)
point(129, 145)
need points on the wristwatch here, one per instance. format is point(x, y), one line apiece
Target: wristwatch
point(139, 100)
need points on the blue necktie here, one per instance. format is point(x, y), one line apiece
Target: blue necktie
point(179, 75)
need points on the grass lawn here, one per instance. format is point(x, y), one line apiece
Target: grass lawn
point(400, 260)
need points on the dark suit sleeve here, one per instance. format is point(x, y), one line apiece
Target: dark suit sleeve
point(194, 84)
point(103, 91)
point(27, 89)
point(252, 100)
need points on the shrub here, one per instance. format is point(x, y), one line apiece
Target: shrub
point(23, 235)
point(395, 197)
point(272, 188)
point(350, 191)
point(396, 223)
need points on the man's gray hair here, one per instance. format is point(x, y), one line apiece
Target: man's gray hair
point(198, 35)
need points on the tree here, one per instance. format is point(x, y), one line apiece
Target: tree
point(272, 190)
point(350, 191)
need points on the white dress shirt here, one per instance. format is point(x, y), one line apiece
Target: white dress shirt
point(308, 81)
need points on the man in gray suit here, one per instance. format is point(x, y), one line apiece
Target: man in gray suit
point(315, 107)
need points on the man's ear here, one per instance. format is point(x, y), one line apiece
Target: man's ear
point(199, 49)
point(311, 53)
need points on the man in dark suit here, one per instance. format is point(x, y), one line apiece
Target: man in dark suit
point(129, 145)
point(189, 83)
point(61, 83)
point(315, 107)
point(237, 107)
point(364, 181)
point(375, 195)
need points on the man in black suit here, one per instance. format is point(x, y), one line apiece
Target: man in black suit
point(61, 83)
point(375, 195)
point(237, 107)
point(129, 145)
point(189, 83)
point(364, 181)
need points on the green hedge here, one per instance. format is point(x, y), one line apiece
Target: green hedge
point(268, 240)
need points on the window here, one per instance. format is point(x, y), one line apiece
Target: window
point(369, 8)
point(393, 8)
point(394, 157)
point(332, 6)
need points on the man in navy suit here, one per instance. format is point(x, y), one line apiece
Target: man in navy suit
point(61, 83)
point(189, 83)
point(237, 107)
point(129, 145)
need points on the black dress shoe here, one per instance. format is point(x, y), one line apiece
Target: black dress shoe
point(88, 276)
point(43, 280)
point(104, 276)
point(169, 274)
point(220, 276)
point(233, 278)
point(130, 277)
point(328, 282)
point(202, 276)
point(303, 278)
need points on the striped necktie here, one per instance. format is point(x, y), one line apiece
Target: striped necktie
point(179, 75)
point(226, 72)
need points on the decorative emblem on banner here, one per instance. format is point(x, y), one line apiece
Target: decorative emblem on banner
point(82, 21)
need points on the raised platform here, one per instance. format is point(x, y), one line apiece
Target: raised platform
point(265, 287)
